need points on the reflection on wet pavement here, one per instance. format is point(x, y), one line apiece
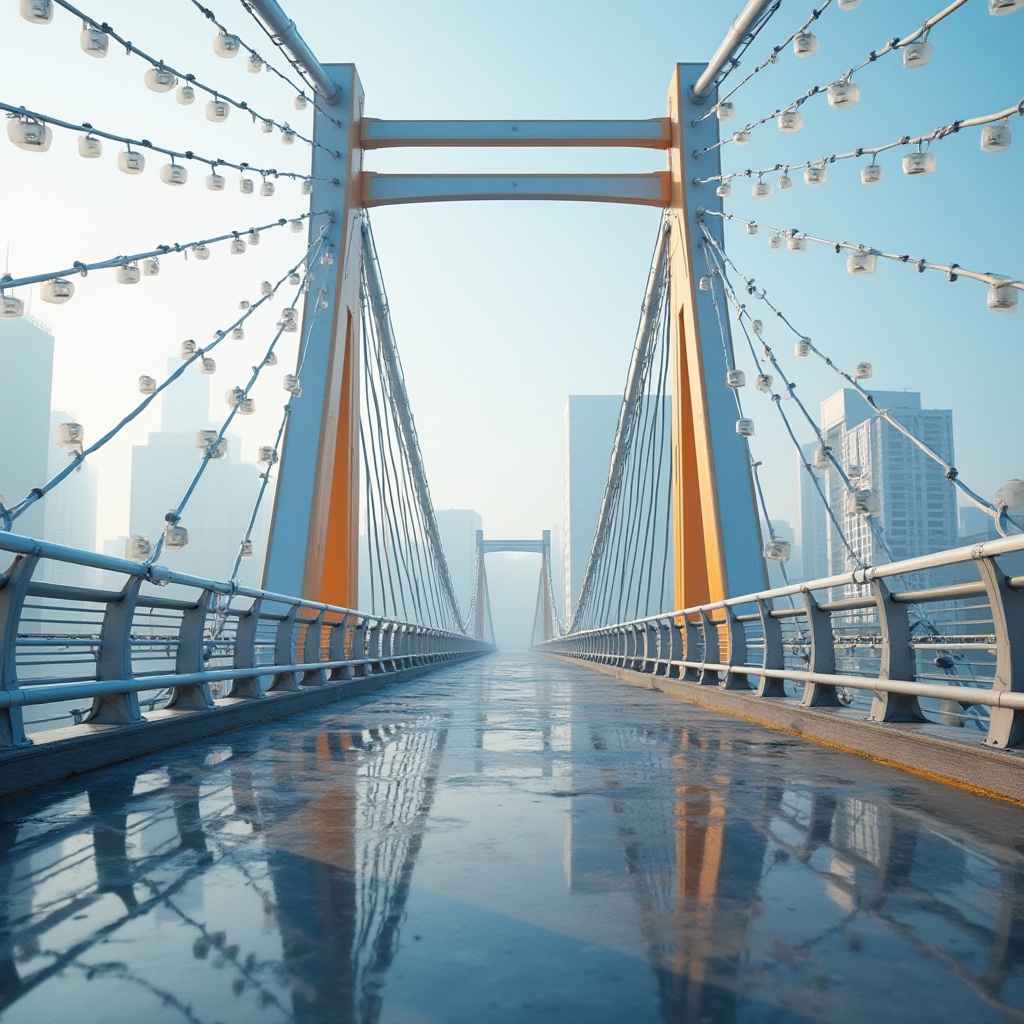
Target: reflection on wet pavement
point(509, 840)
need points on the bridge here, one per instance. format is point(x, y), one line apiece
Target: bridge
point(308, 785)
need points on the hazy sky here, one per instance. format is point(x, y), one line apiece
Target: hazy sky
point(502, 310)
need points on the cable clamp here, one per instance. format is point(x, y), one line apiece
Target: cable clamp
point(80, 267)
point(950, 276)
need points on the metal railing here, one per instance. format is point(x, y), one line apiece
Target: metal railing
point(160, 638)
point(881, 635)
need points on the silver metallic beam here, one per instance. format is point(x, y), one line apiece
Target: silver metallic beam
point(733, 38)
point(651, 133)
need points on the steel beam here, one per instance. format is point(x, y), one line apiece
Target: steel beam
point(652, 133)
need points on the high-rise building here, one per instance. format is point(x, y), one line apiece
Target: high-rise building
point(813, 518)
point(219, 509)
point(457, 527)
point(590, 425)
point(903, 489)
point(26, 355)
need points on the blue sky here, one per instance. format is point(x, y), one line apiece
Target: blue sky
point(502, 310)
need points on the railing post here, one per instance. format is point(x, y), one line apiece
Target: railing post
point(690, 674)
point(823, 656)
point(12, 600)
point(897, 660)
point(737, 652)
point(189, 659)
point(284, 653)
point(774, 655)
point(1006, 725)
point(675, 648)
point(663, 640)
point(709, 677)
point(336, 650)
point(359, 649)
point(114, 660)
point(248, 687)
point(311, 652)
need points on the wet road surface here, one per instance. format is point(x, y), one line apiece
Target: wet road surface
point(514, 839)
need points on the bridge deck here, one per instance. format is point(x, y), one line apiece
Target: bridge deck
point(509, 840)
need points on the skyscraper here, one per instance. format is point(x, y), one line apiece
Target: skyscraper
point(26, 355)
point(458, 527)
point(906, 491)
point(813, 518)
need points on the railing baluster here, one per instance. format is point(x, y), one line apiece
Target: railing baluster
point(774, 654)
point(709, 677)
point(114, 660)
point(691, 674)
point(12, 601)
point(189, 659)
point(284, 653)
point(1006, 725)
point(311, 652)
point(247, 687)
point(823, 656)
point(336, 651)
point(898, 661)
point(735, 680)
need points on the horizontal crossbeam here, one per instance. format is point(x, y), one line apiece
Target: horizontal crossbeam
point(650, 133)
point(537, 547)
point(631, 189)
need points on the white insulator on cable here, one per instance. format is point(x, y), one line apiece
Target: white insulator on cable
point(160, 80)
point(300, 102)
point(246, 186)
point(267, 188)
point(843, 93)
point(173, 174)
point(11, 307)
point(761, 189)
point(247, 407)
point(790, 121)
point(226, 45)
point(208, 366)
point(735, 379)
point(131, 162)
point(217, 110)
point(785, 181)
point(147, 385)
point(863, 371)
point(815, 175)
point(862, 502)
point(290, 326)
point(795, 242)
point(185, 95)
point(724, 190)
point(802, 348)
point(745, 427)
point(253, 237)
point(128, 273)
point(741, 138)
point(175, 536)
point(234, 396)
point(996, 6)
point(244, 304)
point(289, 313)
point(206, 437)
point(805, 44)
point(188, 349)
point(995, 138)
point(917, 53)
point(271, 359)
point(237, 246)
point(861, 262)
point(291, 383)
point(1002, 296)
point(777, 550)
point(725, 110)
point(848, 5)
point(922, 162)
point(267, 127)
point(94, 42)
point(327, 258)
point(32, 136)
point(253, 64)
point(70, 435)
point(287, 136)
point(138, 548)
point(267, 455)
point(764, 383)
point(294, 278)
point(246, 549)
point(871, 174)
point(200, 251)
point(266, 288)
point(306, 187)
point(150, 267)
point(704, 284)
point(89, 147)
point(216, 182)
point(57, 291)
point(296, 225)
point(39, 12)
point(757, 327)
point(238, 333)
point(775, 240)
point(751, 228)
point(820, 459)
